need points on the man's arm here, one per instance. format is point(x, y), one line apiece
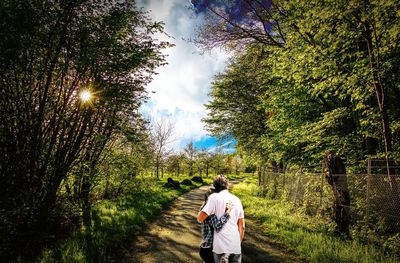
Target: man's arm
point(201, 216)
point(241, 227)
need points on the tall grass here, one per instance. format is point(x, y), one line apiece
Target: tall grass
point(308, 237)
point(113, 222)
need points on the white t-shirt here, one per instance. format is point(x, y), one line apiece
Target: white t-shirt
point(228, 239)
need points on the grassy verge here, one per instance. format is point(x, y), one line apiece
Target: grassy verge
point(114, 221)
point(308, 237)
point(240, 176)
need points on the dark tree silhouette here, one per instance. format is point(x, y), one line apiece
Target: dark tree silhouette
point(51, 51)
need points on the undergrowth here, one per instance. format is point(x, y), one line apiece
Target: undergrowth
point(114, 221)
point(309, 237)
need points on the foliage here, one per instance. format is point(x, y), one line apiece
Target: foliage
point(330, 87)
point(114, 221)
point(51, 51)
point(237, 23)
point(161, 136)
point(235, 109)
point(121, 162)
point(318, 92)
point(307, 236)
point(190, 152)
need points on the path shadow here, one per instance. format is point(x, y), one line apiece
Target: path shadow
point(175, 237)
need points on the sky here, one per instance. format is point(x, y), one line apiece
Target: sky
point(181, 87)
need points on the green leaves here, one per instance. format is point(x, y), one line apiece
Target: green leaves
point(235, 109)
point(318, 93)
point(49, 52)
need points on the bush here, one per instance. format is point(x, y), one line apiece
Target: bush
point(197, 179)
point(112, 222)
point(310, 237)
point(187, 182)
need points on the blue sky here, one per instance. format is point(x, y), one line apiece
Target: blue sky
point(181, 87)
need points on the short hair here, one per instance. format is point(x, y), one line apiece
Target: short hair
point(221, 182)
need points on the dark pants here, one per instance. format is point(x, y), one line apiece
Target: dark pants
point(227, 258)
point(206, 254)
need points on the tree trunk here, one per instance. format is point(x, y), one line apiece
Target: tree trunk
point(86, 204)
point(158, 169)
point(337, 178)
point(107, 193)
point(191, 170)
point(382, 100)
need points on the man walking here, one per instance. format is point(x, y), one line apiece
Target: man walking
point(227, 242)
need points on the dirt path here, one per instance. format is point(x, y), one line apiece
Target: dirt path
point(175, 237)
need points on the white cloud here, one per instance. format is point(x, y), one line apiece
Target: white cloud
point(181, 87)
point(187, 125)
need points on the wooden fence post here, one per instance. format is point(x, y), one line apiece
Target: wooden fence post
point(321, 191)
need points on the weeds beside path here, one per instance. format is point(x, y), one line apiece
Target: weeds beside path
point(175, 237)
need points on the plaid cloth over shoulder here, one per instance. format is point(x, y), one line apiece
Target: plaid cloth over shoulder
point(207, 228)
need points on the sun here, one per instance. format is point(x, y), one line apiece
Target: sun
point(85, 95)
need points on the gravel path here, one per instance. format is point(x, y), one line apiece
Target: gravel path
point(175, 237)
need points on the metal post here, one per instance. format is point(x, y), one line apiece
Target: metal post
point(368, 190)
point(297, 185)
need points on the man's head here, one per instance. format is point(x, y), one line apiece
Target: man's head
point(221, 183)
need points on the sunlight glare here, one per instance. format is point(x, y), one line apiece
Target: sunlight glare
point(85, 95)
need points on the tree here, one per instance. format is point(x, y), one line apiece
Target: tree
point(325, 56)
point(205, 158)
point(239, 22)
point(324, 90)
point(50, 52)
point(126, 156)
point(337, 178)
point(190, 152)
point(162, 132)
point(358, 40)
point(238, 164)
point(218, 158)
point(235, 108)
point(175, 163)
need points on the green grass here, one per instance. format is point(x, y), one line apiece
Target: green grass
point(307, 237)
point(114, 222)
point(238, 176)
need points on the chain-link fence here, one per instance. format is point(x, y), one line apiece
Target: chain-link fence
point(372, 197)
